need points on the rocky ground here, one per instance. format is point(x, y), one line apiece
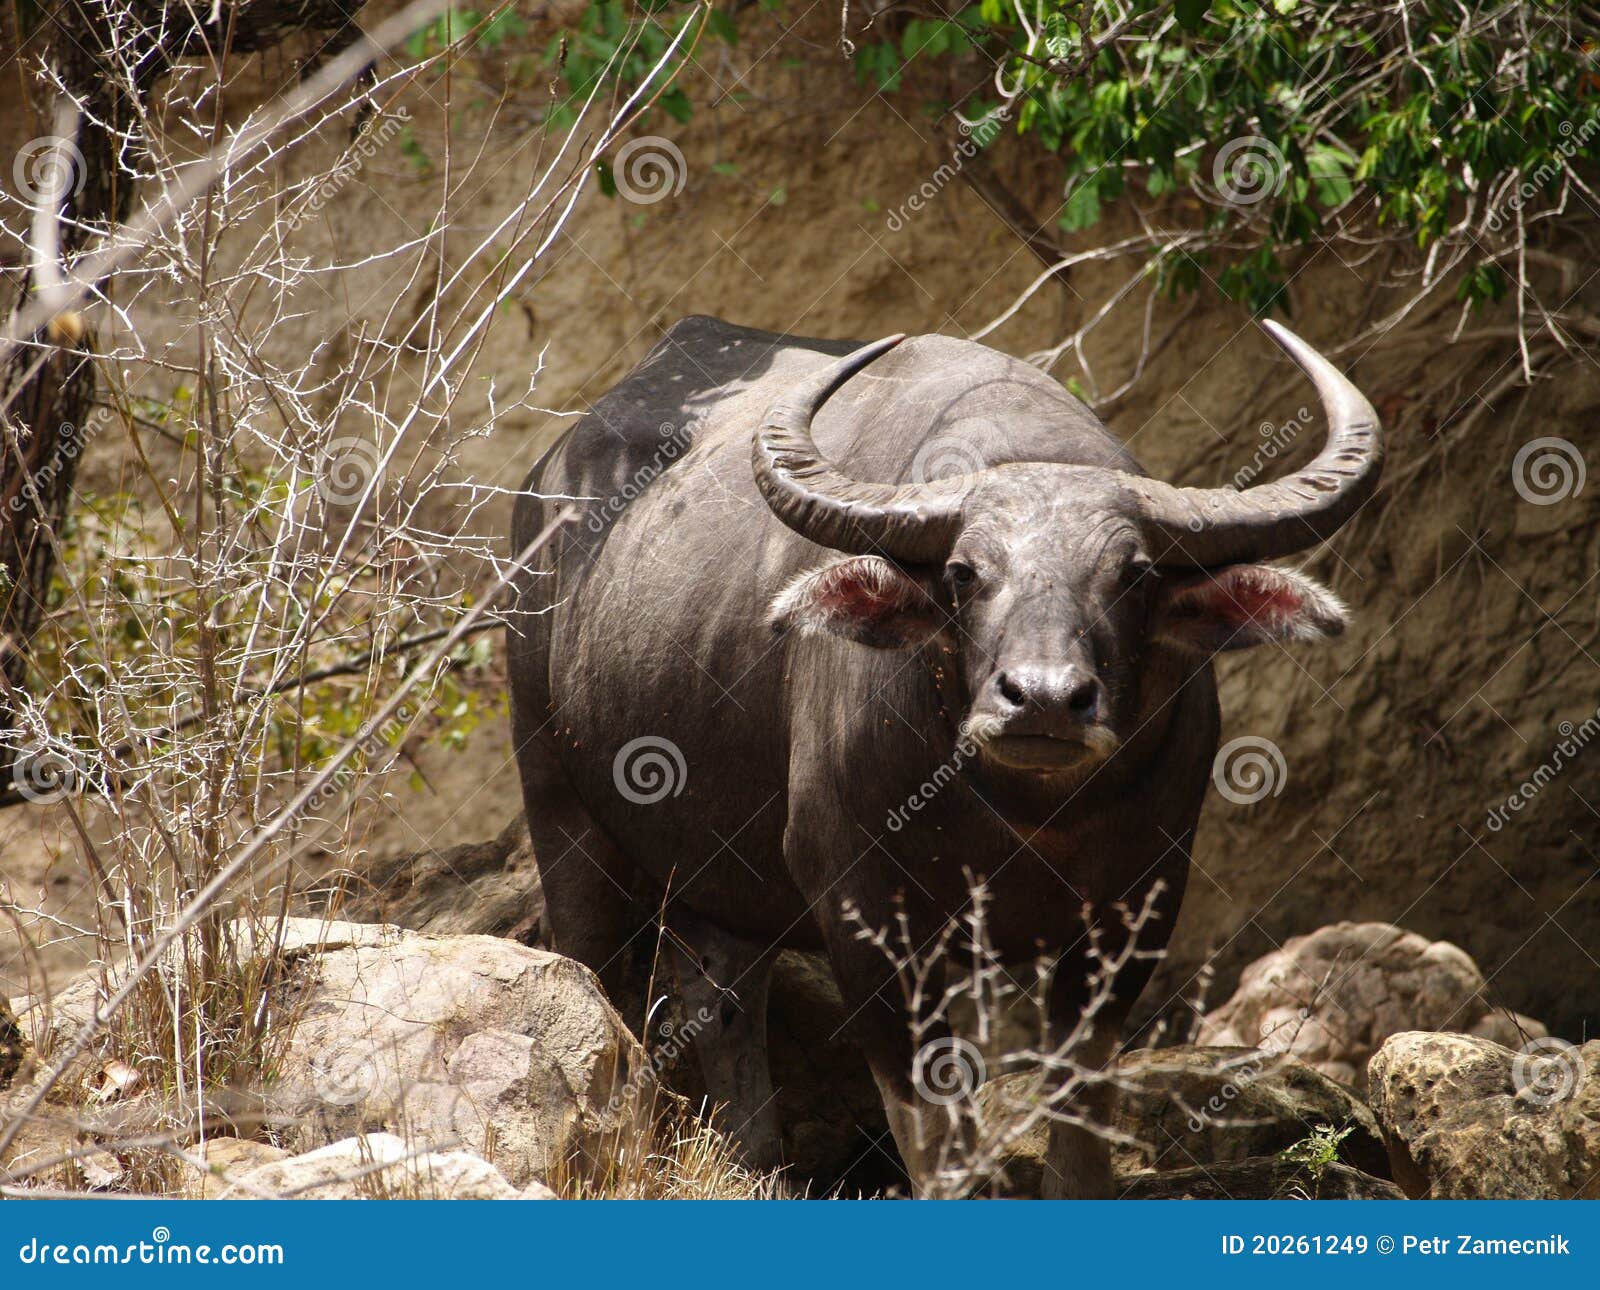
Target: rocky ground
point(432, 1051)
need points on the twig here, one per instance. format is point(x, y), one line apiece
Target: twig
point(285, 818)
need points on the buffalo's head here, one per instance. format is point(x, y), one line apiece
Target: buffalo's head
point(1055, 586)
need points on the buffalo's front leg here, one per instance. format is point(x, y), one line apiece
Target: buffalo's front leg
point(915, 1063)
point(1078, 1157)
point(1087, 1008)
point(723, 983)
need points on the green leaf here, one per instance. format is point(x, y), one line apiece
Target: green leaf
point(1191, 13)
point(1082, 209)
point(675, 103)
point(1058, 36)
point(1329, 169)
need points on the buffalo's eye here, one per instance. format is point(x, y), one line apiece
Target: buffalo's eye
point(1137, 570)
point(961, 575)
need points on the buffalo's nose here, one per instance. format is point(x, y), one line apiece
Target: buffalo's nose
point(1049, 692)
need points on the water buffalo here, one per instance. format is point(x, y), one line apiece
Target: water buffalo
point(807, 577)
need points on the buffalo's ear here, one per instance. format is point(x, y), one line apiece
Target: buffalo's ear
point(862, 598)
point(1241, 605)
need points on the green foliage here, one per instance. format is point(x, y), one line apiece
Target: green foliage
point(618, 42)
point(462, 26)
point(142, 638)
point(1281, 117)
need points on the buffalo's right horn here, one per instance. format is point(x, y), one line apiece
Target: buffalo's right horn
point(805, 490)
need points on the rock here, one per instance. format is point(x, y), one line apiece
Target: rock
point(1209, 1106)
point(227, 1161)
point(43, 1147)
point(1467, 1118)
point(479, 888)
point(1183, 1108)
point(1259, 1178)
point(1331, 998)
point(510, 1052)
point(13, 1047)
point(374, 1166)
point(100, 1170)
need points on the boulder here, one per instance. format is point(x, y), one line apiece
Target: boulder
point(1258, 1178)
point(1466, 1118)
point(1200, 1108)
point(1332, 997)
point(375, 1166)
point(227, 1160)
point(477, 888)
point(1196, 1106)
point(13, 1047)
point(473, 1041)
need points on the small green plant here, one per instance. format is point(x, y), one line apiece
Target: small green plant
point(1318, 1150)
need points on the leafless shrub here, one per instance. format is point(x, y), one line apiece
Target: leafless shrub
point(992, 1067)
point(253, 626)
point(973, 1021)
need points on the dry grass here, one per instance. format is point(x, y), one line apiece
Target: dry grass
point(676, 1157)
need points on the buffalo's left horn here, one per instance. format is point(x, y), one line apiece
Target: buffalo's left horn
point(805, 490)
point(1215, 526)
